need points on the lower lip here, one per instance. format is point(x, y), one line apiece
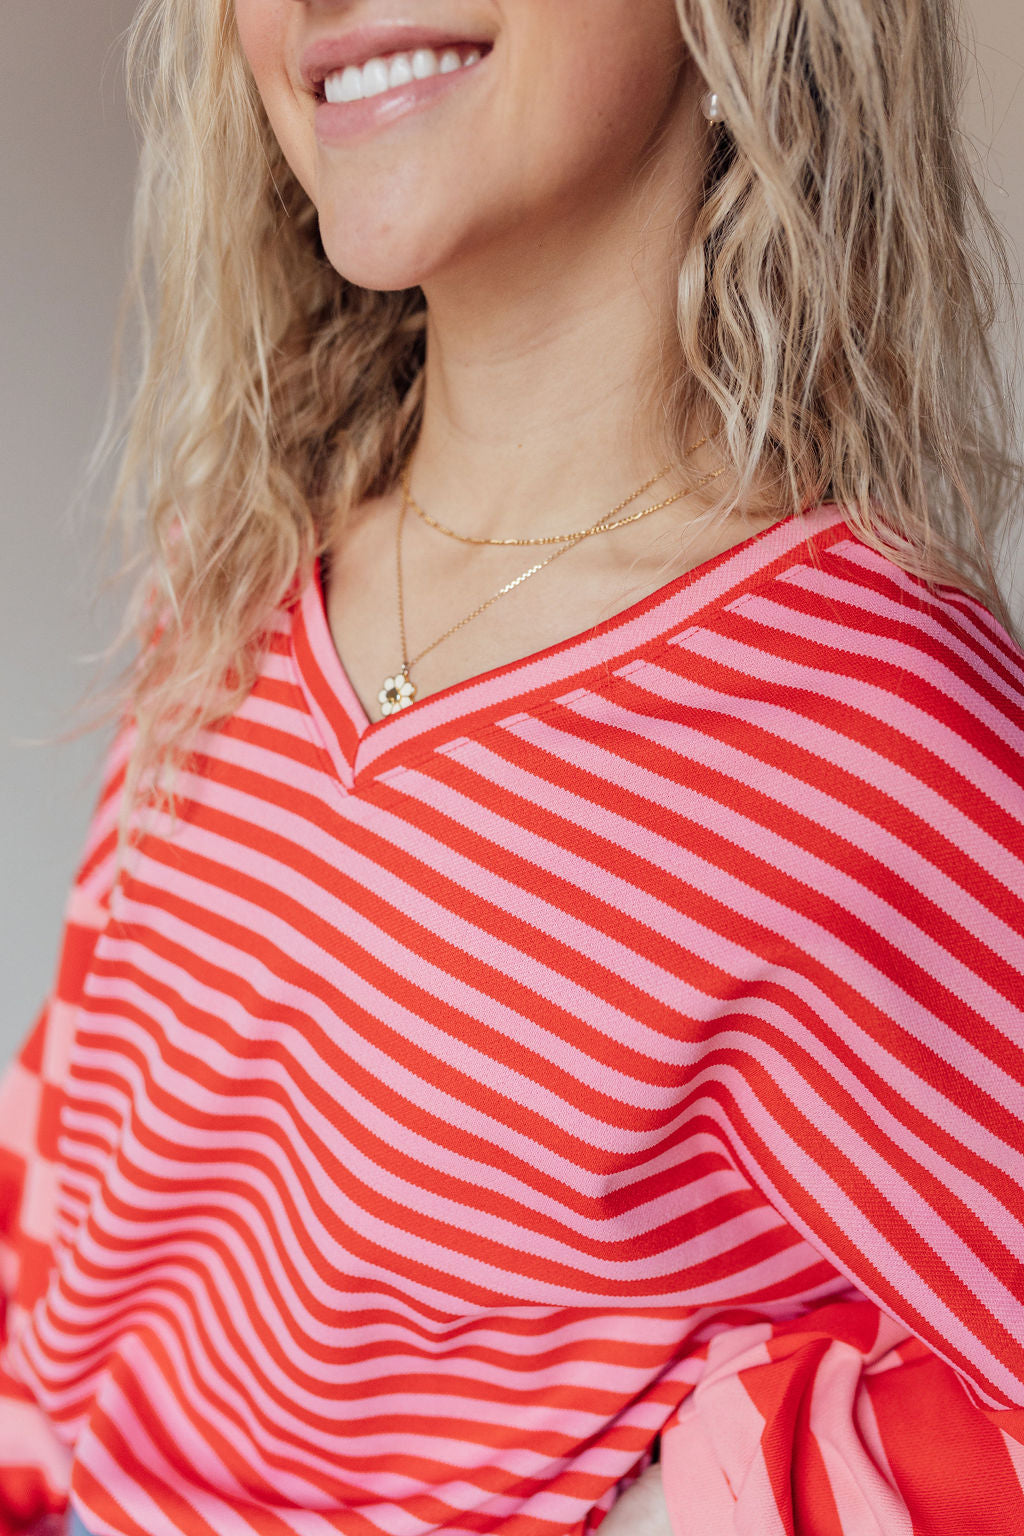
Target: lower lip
point(343, 121)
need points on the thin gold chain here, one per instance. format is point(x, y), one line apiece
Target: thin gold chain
point(603, 526)
point(400, 690)
point(408, 662)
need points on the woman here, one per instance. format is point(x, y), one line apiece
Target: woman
point(543, 990)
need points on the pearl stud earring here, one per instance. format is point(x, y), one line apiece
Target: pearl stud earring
point(711, 106)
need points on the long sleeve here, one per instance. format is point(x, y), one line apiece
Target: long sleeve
point(878, 1102)
point(35, 1464)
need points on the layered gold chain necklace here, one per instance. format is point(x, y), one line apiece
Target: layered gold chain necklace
point(399, 691)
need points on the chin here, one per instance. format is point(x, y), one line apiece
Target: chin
point(378, 256)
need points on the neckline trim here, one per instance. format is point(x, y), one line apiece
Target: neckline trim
point(358, 746)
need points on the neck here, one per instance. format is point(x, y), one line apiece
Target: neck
point(533, 400)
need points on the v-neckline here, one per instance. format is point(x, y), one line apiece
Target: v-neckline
point(358, 746)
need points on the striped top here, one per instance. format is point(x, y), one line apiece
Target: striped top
point(626, 1042)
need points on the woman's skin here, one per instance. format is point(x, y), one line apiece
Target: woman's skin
point(540, 203)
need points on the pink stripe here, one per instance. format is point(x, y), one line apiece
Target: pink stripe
point(827, 587)
point(816, 942)
point(908, 659)
point(785, 857)
point(866, 1500)
point(261, 1112)
point(693, 748)
point(840, 751)
point(986, 629)
point(442, 922)
point(874, 702)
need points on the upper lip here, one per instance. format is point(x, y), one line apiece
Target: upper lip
point(329, 54)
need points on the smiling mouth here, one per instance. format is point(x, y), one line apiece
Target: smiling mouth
point(390, 72)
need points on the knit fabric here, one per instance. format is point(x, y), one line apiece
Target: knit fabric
point(624, 1043)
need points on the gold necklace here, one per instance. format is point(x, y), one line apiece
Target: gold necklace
point(399, 691)
point(604, 526)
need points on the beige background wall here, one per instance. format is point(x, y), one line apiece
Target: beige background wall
point(65, 180)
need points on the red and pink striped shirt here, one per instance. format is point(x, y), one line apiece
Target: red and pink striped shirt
point(626, 1043)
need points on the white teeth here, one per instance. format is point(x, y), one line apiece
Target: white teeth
point(375, 77)
point(400, 71)
point(347, 85)
point(424, 63)
point(379, 75)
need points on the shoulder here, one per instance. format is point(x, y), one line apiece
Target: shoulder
point(840, 634)
point(877, 723)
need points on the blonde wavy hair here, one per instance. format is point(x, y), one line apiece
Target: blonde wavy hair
point(835, 310)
